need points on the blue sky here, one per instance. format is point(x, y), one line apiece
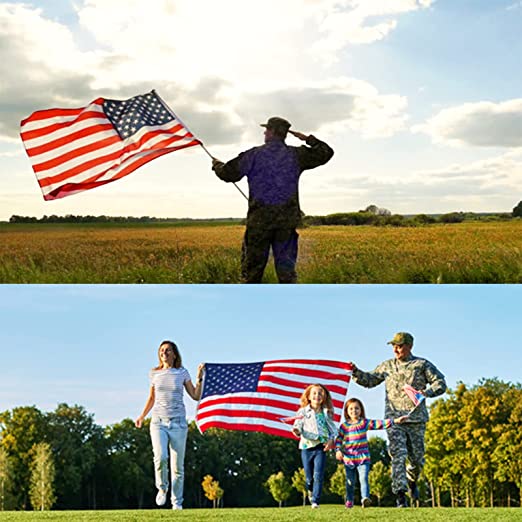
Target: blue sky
point(420, 99)
point(94, 345)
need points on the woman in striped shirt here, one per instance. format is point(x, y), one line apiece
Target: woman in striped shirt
point(351, 447)
point(168, 426)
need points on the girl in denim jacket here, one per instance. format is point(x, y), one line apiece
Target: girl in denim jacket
point(315, 426)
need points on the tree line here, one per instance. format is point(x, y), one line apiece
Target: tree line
point(371, 215)
point(72, 218)
point(473, 458)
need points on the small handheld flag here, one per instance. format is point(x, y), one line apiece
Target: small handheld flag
point(288, 420)
point(416, 396)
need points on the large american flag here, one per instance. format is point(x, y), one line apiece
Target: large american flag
point(72, 150)
point(260, 396)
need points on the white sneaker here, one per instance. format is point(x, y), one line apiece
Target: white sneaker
point(161, 497)
point(177, 506)
point(314, 505)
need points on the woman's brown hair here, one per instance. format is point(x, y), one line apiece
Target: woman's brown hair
point(177, 355)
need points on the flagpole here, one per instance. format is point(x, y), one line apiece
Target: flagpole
point(199, 141)
point(350, 374)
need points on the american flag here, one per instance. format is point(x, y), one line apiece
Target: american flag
point(72, 150)
point(261, 396)
point(416, 396)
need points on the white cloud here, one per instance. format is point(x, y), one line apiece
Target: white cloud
point(330, 106)
point(516, 5)
point(361, 22)
point(491, 184)
point(482, 124)
point(39, 62)
point(217, 71)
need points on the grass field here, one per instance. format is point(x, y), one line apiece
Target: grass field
point(472, 252)
point(325, 513)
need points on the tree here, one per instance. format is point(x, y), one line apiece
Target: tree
point(41, 485)
point(448, 466)
point(379, 480)
point(508, 453)
point(378, 211)
point(471, 444)
point(279, 487)
point(212, 490)
point(22, 428)
point(517, 211)
point(5, 477)
point(337, 484)
point(299, 483)
point(129, 467)
point(378, 450)
point(77, 443)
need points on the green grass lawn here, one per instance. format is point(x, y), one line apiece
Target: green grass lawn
point(326, 513)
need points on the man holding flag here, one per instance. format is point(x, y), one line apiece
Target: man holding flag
point(408, 380)
point(273, 172)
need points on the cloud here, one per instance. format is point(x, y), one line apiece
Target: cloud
point(341, 102)
point(360, 22)
point(482, 124)
point(485, 185)
point(516, 5)
point(45, 68)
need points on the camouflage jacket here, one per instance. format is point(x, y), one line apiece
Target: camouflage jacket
point(273, 172)
point(415, 371)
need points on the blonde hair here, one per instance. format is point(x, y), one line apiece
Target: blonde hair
point(353, 400)
point(327, 400)
point(177, 355)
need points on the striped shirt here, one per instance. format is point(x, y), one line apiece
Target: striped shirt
point(168, 387)
point(352, 440)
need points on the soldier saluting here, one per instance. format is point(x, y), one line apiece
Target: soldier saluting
point(406, 440)
point(273, 172)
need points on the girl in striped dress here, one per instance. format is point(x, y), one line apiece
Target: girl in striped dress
point(351, 447)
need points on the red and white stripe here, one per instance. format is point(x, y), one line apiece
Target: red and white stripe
point(277, 397)
point(72, 150)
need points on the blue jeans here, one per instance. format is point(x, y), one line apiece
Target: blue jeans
point(362, 470)
point(169, 434)
point(313, 464)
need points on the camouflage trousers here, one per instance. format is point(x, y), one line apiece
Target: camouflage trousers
point(406, 442)
point(256, 249)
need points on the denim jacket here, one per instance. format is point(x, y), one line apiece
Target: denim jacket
point(306, 423)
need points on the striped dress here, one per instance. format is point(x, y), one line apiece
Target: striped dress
point(352, 440)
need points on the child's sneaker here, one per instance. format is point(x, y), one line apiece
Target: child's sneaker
point(315, 505)
point(366, 502)
point(349, 504)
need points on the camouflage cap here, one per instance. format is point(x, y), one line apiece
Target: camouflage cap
point(276, 122)
point(402, 338)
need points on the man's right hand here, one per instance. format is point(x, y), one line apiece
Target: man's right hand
point(299, 135)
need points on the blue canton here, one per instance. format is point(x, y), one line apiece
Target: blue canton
point(231, 378)
point(129, 116)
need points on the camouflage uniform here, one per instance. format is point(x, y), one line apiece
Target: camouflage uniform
point(273, 172)
point(405, 439)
